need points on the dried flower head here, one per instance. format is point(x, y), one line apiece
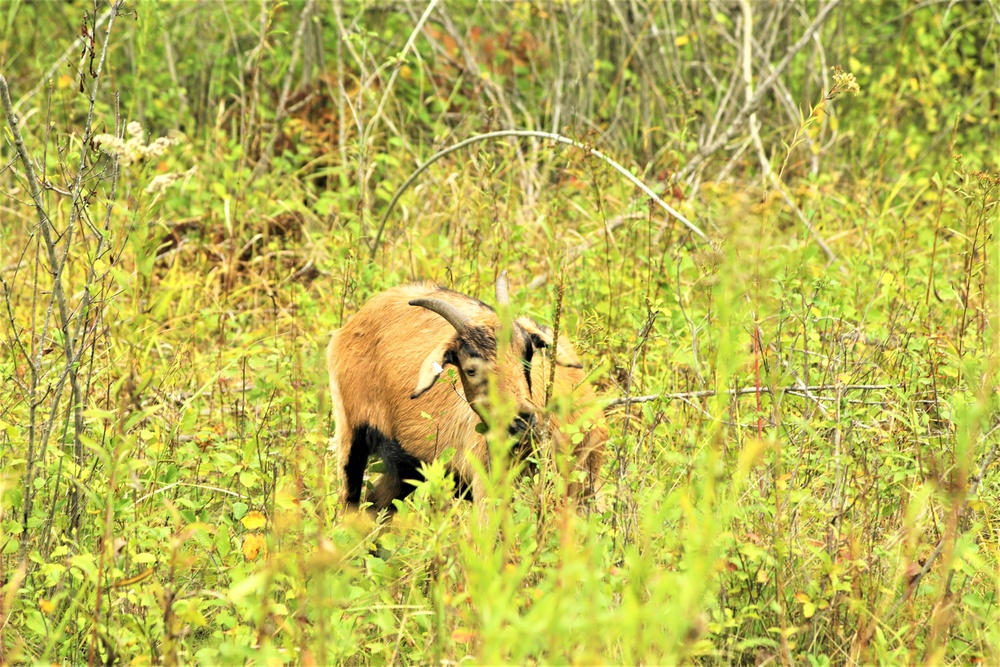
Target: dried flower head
point(164, 181)
point(135, 148)
point(844, 82)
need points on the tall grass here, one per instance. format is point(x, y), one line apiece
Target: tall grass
point(803, 414)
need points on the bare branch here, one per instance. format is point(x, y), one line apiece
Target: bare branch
point(763, 89)
point(538, 135)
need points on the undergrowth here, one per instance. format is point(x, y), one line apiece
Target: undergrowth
point(804, 425)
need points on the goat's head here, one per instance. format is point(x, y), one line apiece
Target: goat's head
point(476, 352)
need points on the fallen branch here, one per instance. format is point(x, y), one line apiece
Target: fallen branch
point(538, 135)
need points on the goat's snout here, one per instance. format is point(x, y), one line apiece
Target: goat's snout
point(524, 422)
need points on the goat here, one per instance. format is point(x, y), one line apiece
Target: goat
point(383, 367)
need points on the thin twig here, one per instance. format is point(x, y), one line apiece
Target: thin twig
point(400, 60)
point(172, 485)
point(706, 393)
point(286, 87)
point(641, 340)
point(58, 264)
point(746, 60)
point(70, 50)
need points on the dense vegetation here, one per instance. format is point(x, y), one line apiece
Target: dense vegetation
point(203, 207)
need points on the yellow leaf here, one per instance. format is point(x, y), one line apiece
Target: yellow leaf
point(8, 429)
point(253, 545)
point(253, 520)
point(286, 500)
point(681, 40)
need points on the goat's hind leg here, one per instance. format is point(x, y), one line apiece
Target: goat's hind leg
point(353, 450)
point(399, 470)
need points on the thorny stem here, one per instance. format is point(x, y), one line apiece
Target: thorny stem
point(556, 323)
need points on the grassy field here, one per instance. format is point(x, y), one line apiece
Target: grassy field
point(191, 200)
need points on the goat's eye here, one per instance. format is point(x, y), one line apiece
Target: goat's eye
point(470, 372)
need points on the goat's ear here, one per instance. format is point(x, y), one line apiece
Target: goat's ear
point(541, 337)
point(433, 366)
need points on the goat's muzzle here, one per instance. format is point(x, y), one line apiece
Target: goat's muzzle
point(524, 423)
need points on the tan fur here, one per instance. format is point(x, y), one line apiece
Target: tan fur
point(375, 363)
point(573, 403)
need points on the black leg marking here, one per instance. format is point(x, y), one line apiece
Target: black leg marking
point(398, 466)
point(357, 459)
point(463, 490)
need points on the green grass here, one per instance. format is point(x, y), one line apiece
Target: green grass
point(184, 507)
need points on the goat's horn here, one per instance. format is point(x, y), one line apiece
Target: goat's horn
point(451, 313)
point(503, 296)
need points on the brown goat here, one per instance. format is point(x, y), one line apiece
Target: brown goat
point(383, 367)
